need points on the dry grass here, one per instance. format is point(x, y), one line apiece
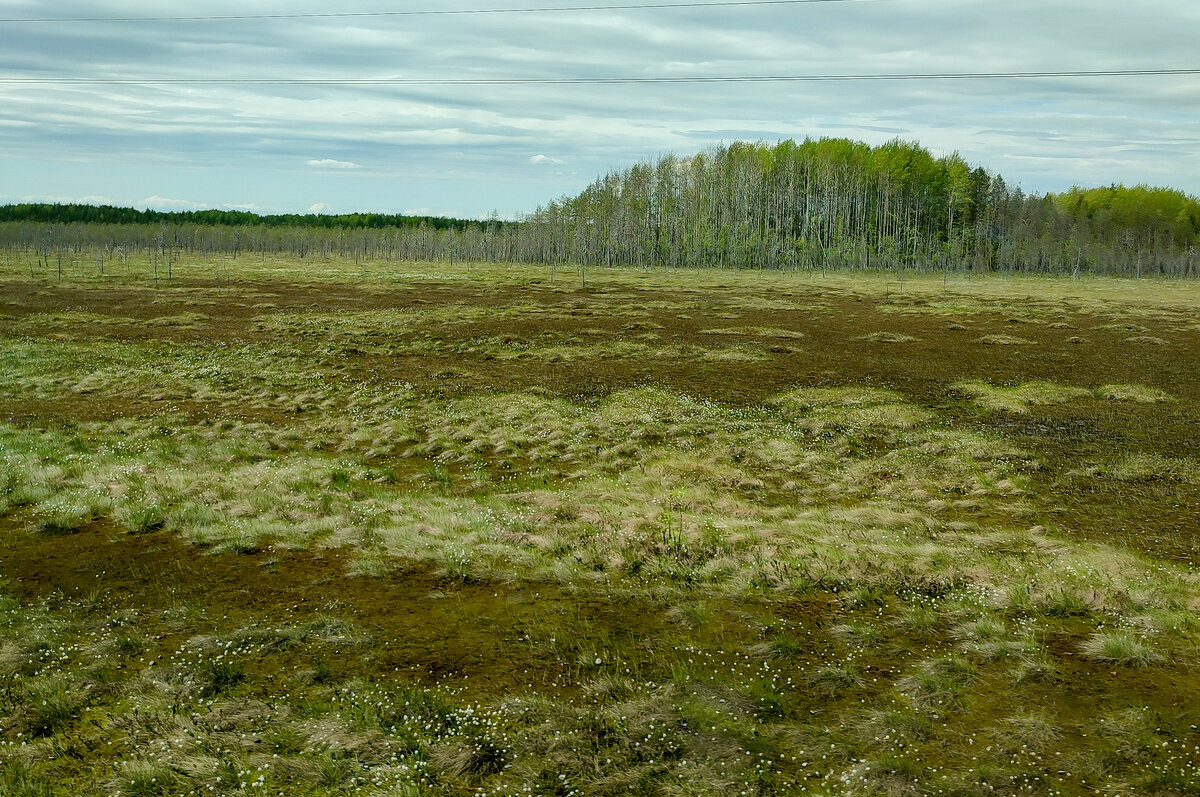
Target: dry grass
point(1138, 394)
point(888, 337)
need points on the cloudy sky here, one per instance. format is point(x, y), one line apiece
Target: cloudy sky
point(202, 136)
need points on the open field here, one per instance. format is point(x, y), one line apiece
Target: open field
point(323, 527)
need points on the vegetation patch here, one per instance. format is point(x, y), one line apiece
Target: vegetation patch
point(888, 337)
point(1120, 647)
point(1138, 394)
point(758, 332)
point(1005, 340)
point(1019, 398)
point(1148, 468)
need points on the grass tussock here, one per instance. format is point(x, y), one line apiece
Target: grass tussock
point(888, 337)
point(1005, 340)
point(1138, 394)
point(757, 332)
point(1019, 398)
point(1121, 647)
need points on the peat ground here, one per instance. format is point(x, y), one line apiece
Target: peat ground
point(464, 449)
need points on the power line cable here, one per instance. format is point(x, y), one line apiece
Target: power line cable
point(813, 78)
point(437, 12)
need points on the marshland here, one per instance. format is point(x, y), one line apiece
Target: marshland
point(283, 525)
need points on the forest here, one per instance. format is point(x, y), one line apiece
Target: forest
point(835, 203)
point(827, 204)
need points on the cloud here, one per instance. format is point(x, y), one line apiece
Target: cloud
point(330, 163)
point(320, 207)
point(518, 146)
point(496, 215)
point(157, 202)
point(444, 213)
point(94, 199)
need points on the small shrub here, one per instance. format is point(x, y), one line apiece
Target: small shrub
point(1035, 730)
point(939, 682)
point(1063, 602)
point(333, 771)
point(899, 722)
point(1020, 398)
point(888, 337)
point(861, 596)
point(285, 741)
point(1153, 467)
point(129, 645)
point(473, 759)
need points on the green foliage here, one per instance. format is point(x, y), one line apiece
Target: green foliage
point(834, 202)
point(1130, 214)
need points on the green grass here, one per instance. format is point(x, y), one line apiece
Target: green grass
point(1148, 468)
point(1121, 647)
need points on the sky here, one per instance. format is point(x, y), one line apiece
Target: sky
point(468, 150)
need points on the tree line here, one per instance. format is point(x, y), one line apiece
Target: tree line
point(825, 203)
point(836, 203)
point(108, 214)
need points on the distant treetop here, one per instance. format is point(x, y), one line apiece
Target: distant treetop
point(108, 214)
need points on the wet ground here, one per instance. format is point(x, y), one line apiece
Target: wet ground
point(1155, 347)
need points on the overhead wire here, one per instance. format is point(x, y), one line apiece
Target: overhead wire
point(434, 12)
point(880, 76)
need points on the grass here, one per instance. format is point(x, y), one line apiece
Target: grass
point(1139, 394)
point(888, 337)
point(1120, 647)
point(381, 529)
point(1020, 398)
point(1148, 468)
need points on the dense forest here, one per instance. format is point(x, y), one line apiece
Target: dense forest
point(834, 203)
point(816, 204)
